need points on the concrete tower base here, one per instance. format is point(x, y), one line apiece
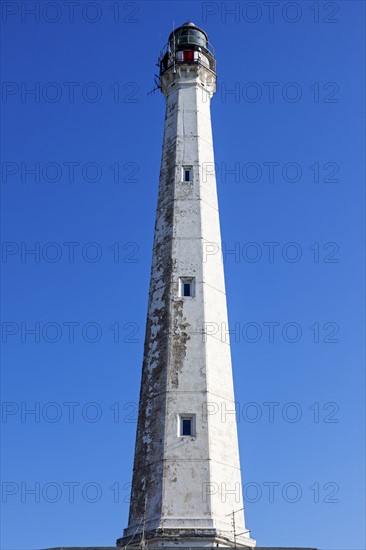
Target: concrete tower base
point(194, 538)
point(171, 547)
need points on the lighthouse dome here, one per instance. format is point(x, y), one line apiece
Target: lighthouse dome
point(188, 35)
point(187, 45)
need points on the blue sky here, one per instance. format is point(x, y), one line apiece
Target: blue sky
point(293, 211)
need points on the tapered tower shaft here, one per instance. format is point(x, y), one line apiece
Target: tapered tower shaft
point(186, 477)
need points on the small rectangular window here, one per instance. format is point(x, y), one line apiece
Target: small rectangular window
point(187, 174)
point(186, 286)
point(187, 291)
point(187, 425)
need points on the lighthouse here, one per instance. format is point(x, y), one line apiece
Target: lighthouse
point(186, 487)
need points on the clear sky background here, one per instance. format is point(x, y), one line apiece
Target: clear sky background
point(293, 131)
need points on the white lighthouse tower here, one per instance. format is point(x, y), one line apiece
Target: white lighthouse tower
point(186, 488)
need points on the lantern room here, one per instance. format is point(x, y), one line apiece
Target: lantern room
point(187, 44)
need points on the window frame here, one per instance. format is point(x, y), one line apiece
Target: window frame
point(188, 169)
point(192, 419)
point(184, 281)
